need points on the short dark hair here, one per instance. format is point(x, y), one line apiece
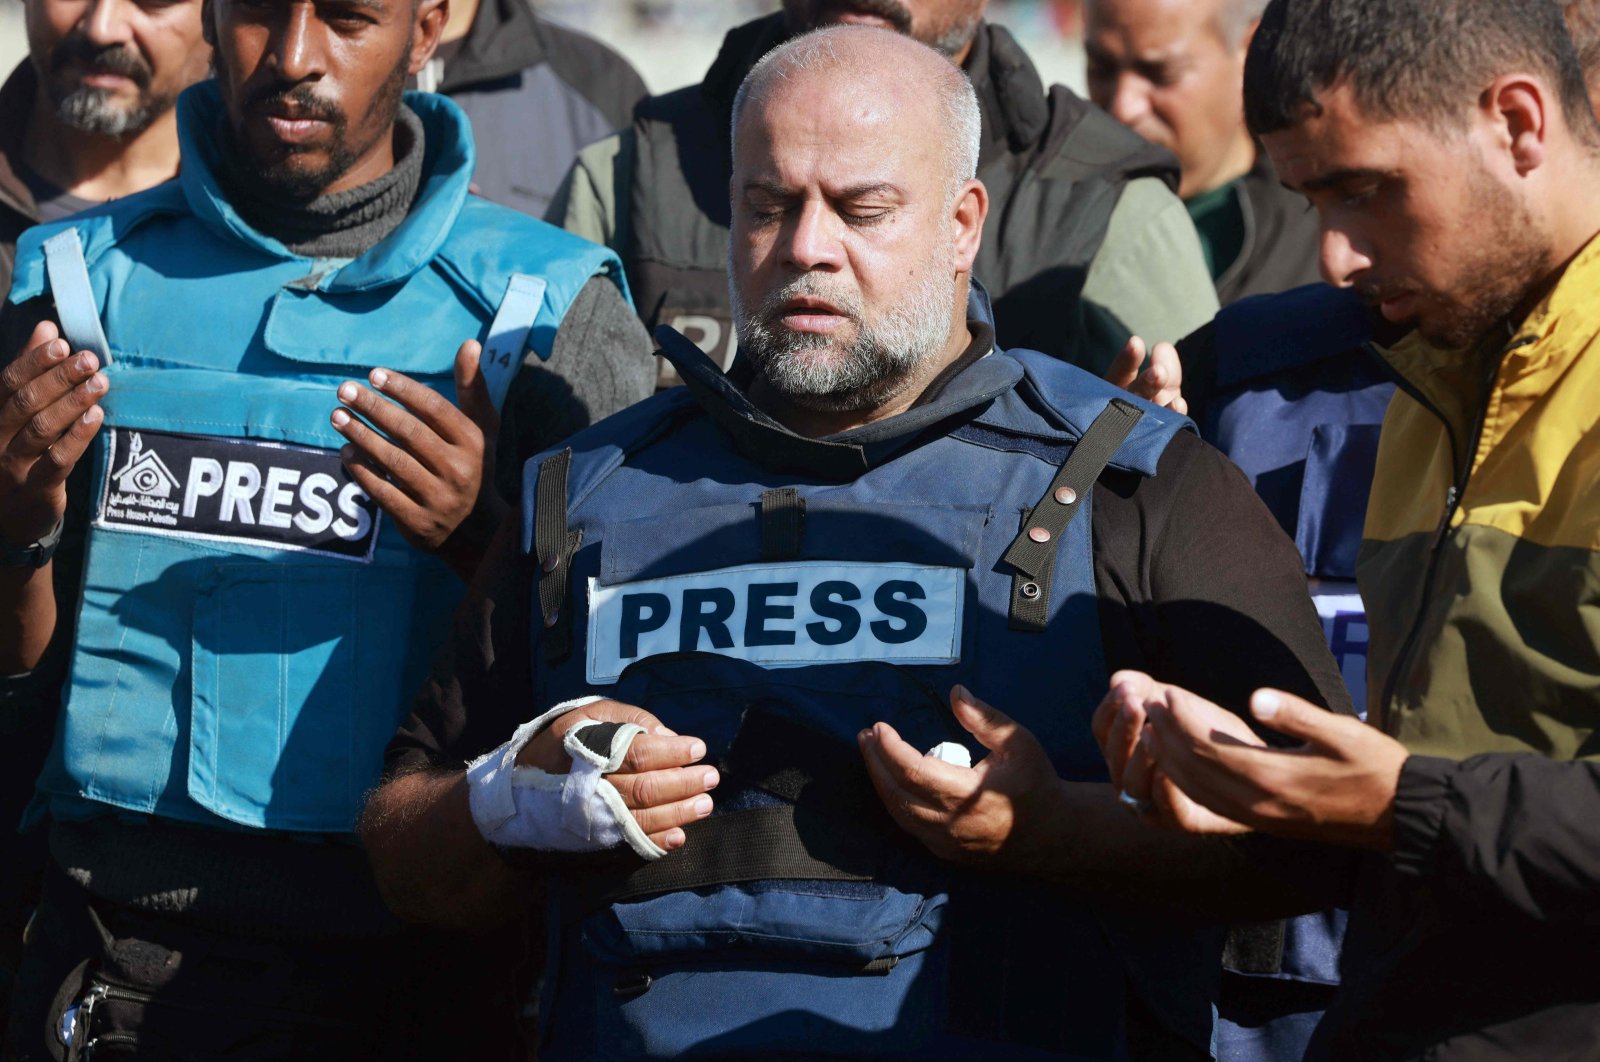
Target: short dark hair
point(1583, 22)
point(1422, 60)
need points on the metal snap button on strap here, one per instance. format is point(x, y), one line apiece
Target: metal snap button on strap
point(632, 983)
point(1032, 556)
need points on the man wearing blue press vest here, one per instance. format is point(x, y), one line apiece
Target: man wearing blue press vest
point(220, 551)
point(711, 697)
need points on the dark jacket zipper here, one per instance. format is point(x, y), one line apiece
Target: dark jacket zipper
point(1452, 502)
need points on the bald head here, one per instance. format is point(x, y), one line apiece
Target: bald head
point(930, 95)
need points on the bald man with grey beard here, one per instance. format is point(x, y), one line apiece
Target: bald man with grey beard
point(714, 696)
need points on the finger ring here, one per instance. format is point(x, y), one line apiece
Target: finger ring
point(1134, 804)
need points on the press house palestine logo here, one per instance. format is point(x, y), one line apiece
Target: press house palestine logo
point(144, 486)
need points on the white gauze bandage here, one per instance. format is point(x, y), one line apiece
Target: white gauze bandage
point(524, 807)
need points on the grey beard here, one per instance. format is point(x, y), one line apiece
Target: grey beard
point(880, 363)
point(955, 38)
point(90, 110)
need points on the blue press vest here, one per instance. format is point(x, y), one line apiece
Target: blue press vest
point(897, 559)
point(251, 627)
point(1298, 407)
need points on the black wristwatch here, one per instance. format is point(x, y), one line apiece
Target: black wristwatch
point(34, 554)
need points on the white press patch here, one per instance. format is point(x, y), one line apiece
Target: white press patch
point(227, 490)
point(781, 615)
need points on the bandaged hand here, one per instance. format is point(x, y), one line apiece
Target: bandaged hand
point(590, 775)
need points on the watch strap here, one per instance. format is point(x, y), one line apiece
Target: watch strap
point(34, 554)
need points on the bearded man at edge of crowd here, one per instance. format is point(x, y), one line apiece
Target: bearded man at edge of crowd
point(1472, 797)
point(869, 427)
point(86, 117)
point(1173, 72)
point(218, 551)
point(1086, 244)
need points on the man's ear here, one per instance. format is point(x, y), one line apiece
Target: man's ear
point(427, 28)
point(1518, 109)
point(967, 214)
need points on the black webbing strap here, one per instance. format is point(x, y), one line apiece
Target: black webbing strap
point(553, 545)
point(783, 517)
point(1032, 555)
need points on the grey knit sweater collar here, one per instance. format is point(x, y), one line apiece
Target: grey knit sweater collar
point(346, 224)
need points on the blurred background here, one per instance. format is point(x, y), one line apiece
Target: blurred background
point(672, 42)
point(13, 46)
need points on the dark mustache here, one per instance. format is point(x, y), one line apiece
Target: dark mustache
point(897, 14)
point(115, 59)
point(1373, 294)
point(302, 99)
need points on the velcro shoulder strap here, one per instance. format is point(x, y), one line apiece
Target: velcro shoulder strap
point(783, 515)
point(74, 297)
point(1033, 554)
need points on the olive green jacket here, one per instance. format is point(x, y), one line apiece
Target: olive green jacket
point(1481, 578)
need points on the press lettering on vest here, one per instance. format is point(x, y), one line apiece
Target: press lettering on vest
point(223, 489)
point(781, 615)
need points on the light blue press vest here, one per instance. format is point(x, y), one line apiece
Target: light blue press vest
point(774, 596)
point(252, 627)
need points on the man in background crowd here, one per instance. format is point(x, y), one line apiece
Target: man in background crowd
point(1172, 71)
point(1086, 243)
point(534, 91)
point(87, 117)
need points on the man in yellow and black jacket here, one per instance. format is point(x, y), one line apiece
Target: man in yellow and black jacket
point(1452, 156)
